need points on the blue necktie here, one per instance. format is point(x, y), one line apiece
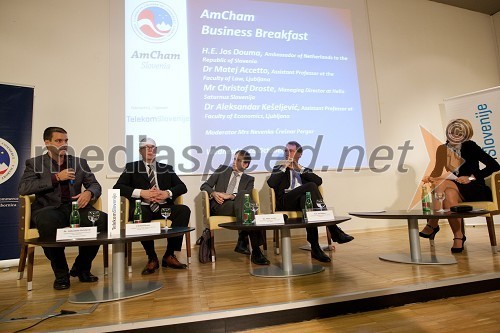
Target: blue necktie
point(295, 179)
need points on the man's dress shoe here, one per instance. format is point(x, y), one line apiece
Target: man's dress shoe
point(172, 262)
point(61, 283)
point(318, 254)
point(258, 258)
point(340, 237)
point(83, 276)
point(151, 266)
point(242, 247)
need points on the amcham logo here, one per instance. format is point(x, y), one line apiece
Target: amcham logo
point(8, 160)
point(154, 22)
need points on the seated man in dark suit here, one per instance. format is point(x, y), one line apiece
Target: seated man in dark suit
point(290, 182)
point(56, 179)
point(157, 186)
point(227, 187)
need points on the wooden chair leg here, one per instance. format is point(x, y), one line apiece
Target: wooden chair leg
point(22, 261)
point(212, 244)
point(129, 256)
point(188, 247)
point(276, 241)
point(105, 258)
point(31, 261)
point(491, 233)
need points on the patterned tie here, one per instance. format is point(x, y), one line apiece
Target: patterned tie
point(152, 181)
point(232, 183)
point(295, 179)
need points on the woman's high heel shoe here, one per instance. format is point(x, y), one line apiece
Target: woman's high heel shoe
point(432, 234)
point(459, 249)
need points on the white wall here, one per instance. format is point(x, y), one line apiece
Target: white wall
point(423, 52)
point(496, 30)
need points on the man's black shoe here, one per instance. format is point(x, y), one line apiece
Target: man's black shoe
point(339, 236)
point(83, 276)
point(87, 277)
point(258, 258)
point(242, 246)
point(318, 254)
point(61, 283)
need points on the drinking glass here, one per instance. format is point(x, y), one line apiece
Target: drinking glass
point(255, 208)
point(321, 204)
point(165, 212)
point(94, 216)
point(440, 196)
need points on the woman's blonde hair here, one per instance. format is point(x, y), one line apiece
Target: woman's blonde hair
point(459, 130)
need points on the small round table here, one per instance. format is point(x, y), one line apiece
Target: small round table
point(286, 269)
point(118, 289)
point(415, 256)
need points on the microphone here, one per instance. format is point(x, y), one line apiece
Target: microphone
point(71, 166)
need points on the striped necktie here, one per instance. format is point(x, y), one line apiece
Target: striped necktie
point(232, 183)
point(152, 181)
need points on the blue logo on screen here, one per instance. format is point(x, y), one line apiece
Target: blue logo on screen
point(154, 22)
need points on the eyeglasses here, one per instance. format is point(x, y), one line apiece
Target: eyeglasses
point(149, 147)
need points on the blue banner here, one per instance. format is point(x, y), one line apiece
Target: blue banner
point(16, 113)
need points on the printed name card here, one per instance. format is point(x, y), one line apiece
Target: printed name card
point(151, 228)
point(64, 234)
point(320, 216)
point(268, 219)
point(114, 213)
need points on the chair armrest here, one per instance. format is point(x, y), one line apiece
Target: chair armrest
point(205, 202)
point(493, 182)
point(255, 198)
point(124, 211)
point(179, 200)
point(24, 216)
point(272, 197)
point(98, 204)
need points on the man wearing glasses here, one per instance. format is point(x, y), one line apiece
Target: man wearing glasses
point(157, 186)
point(227, 187)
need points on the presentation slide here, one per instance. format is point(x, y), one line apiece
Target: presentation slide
point(206, 78)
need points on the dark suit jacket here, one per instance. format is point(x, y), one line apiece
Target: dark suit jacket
point(472, 155)
point(280, 181)
point(219, 181)
point(37, 179)
point(135, 176)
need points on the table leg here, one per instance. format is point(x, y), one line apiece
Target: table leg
point(287, 268)
point(118, 284)
point(416, 256)
point(118, 289)
point(415, 251)
point(286, 251)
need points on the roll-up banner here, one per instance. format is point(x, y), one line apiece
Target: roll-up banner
point(482, 109)
point(16, 113)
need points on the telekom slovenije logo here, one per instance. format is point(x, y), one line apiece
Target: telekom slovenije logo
point(8, 160)
point(154, 22)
